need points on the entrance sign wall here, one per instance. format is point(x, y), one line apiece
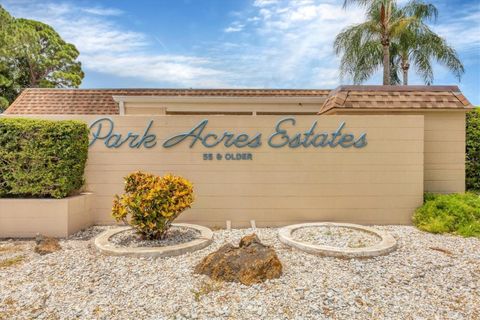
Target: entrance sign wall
point(358, 169)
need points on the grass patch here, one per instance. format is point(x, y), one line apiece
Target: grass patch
point(11, 261)
point(205, 288)
point(14, 248)
point(450, 213)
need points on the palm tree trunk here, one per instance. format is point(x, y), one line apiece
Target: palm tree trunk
point(405, 68)
point(405, 77)
point(384, 17)
point(405, 65)
point(386, 62)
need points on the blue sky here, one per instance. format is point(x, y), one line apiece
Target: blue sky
point(230, 43)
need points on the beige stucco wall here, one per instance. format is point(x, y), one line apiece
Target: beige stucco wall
point(24, 218)
point(233, 105)
point(444, 156)
point(444, 146)
point(155, 108)
point(445, 152)
point(379, 184)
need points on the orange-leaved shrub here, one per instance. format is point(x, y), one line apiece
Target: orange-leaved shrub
point(151, 203)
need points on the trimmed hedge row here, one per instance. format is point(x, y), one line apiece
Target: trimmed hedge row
point(41, 158)
point(473, 150)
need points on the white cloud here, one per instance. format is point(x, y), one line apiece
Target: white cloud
point(294, 44)
point(100, 11)
point(305, 13)
point(290, 45)
point(461, 28)
point(108, 48)
point(264, 3)
point(179, 70)
point(253, 19)
point(272, 43)
point(234, 27)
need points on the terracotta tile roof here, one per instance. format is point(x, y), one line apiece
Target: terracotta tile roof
point(100, 101)
point(395, 97)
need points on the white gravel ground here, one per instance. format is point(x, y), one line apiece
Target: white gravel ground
point(333, 236)
point(175, 235)
point(428, 277)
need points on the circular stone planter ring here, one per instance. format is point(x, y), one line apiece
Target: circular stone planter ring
point(386, 244)
point(105, 246)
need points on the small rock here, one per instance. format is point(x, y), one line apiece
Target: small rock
point(46, 245)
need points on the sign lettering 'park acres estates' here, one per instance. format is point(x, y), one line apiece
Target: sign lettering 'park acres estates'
point(283, 136)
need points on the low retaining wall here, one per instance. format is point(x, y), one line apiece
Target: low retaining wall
point(24, 218)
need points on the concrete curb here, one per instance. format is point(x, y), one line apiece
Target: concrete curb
point(106, 247)
point(386, 245)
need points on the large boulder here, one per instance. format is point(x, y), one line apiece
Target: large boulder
point(251, 262)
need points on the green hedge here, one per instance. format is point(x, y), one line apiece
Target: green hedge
point(450, 213)
point(473, 150)
point(41, 158)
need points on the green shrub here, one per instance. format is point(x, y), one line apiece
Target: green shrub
point(450, 213)
point(3, 103)
point(473, 150)
point(152, 202)
point(41, 158)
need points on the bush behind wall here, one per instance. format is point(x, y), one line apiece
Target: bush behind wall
point(450, 213)
point(41, 158)
point(473, 150)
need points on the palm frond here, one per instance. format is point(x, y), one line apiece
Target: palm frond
point(421, 60)
point(360, 50)
point(446, 55)
point(421, 10)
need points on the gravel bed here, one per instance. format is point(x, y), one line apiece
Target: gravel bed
point(340, 237)
point(428, 277)
point(176, 235)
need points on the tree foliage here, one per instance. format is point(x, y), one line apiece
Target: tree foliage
point(32, 54)
point(394, 38)
point(473, 150)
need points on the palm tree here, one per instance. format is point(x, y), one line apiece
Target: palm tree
point(418, 46)
point(392, 37)
point(383, 21)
